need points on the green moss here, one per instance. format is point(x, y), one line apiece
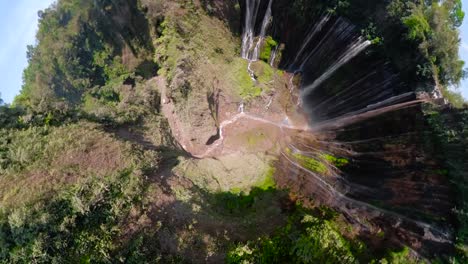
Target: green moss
point(338, 162)
point(268, 181)
point(241, 79)
point(236, 190)
point(268, 45)
point(311, 163)
point(442, 172)
point(265, 183)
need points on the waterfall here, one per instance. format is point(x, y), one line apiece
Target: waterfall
point(261, 37)
point(315, 29)
point(273, 56)
point(251, 10)
point(357, 47)
point(365, 114)
point(248, 36)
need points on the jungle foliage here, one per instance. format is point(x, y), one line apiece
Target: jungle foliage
point(450, 134)
point(84, 44)
point(310, 238)
point(420, 37)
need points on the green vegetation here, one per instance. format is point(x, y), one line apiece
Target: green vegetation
point(308, 238)
point(244, 204)
point(268, 46)
point(370, 32)
point(78, 225)
point(242, 79)
point(81, 48)
point(311, 163)
point(433, 26)
point(419, 37)
point(450, 135)
point(269, 181)
point(319, 164)
point(265, 76)
point(45, 159)
point(119, 104)
point(264, 72)
point(338, 162)
point(66, 192)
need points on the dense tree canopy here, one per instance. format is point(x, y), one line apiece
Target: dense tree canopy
point(83, 44)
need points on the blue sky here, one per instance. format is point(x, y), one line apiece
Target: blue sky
point(464, 48)
point(18, 25)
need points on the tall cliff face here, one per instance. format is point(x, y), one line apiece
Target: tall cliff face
point(360, 95)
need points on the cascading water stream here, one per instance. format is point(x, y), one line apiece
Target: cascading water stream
point(341, 122)
point(251, 11)
point(251, 72)
point(357, 47)
point(317, 28)
point(261, 37)
point(251, 50)
point(273, 56)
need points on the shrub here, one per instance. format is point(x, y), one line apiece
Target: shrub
point(78, 225)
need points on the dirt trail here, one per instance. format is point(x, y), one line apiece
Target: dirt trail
point(242, 115)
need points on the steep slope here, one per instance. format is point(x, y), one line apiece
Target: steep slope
point(258, 131)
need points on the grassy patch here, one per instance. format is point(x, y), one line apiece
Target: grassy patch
point(264, 72)
point(254, 138)
point(241, 79)
point(44, 160)
point(246, 87)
